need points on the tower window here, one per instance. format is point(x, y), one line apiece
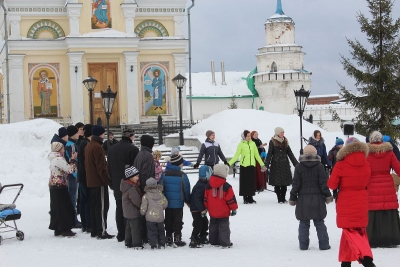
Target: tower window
point(274, 67)
point(283, 76)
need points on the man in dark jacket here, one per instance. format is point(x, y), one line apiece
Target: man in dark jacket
point(144, 160)
point(211, 151)
point(121, 154)
point(309, 194)
point(97, 180)
point(81, 133)
point(110, 142)
point(83, 191)
point(62, 136)
point(70, 148)
point(199, 211)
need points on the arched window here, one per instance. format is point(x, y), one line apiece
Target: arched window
point(274, 67)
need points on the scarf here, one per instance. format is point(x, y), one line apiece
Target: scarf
point(277, 138)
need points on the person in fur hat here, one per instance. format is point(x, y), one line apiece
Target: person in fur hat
point(384, 224)
point(220, 201)
point(199, 211)
point(153, 205)
point(309, 194)
point(277, 161)
point(352, 174)
point(131, 203)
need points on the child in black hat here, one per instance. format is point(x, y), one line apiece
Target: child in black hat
point(131, 201)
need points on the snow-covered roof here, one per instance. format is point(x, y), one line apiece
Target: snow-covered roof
point(322, 96)
point(235, 84)
point(107, 33)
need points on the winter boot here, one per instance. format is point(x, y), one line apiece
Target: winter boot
point(57, 233)
point(195, 242)
point(178, 241)
point(168, 240)
point(204, 240)
point(161, 246)
point(367, 262)
point(251, 200)
point(245, 200)
point(228, 246)
point(105, 235)
point(68, 233)
point(346, 264)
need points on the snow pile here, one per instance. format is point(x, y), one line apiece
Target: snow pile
point(228, 126)
point(24, 147)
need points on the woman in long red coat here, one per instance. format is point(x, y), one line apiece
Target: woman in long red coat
point(351, 175)
point(384, 223)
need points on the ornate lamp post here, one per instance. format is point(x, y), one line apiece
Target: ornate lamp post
point(180, 82)
point(90, 84)
point(301, 99)
point(108, 98)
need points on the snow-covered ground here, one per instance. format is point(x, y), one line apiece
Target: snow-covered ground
point(264, 234)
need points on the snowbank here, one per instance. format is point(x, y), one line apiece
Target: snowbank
point(24, 147)
point(229, 124)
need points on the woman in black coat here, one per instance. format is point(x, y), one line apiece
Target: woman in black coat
point(310, 193)
point(277, 160)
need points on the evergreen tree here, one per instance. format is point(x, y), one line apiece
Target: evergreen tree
point(375, 71)
point(233, 104)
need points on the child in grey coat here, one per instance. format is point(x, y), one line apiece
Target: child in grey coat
point(153, 205)
point(131, 201)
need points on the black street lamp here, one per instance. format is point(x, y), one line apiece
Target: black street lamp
point(90, 84)
point(180, 82)
point(108, 98)
point(301, 99)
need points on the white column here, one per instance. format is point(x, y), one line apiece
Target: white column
point(76, 86)
point(74, 13)
point(180, 67)
point(17, 99)
point(129, 14)
point(133, 99)
point(15, 27)
point(179, 26)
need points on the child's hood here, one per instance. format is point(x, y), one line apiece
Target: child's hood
point(125, 186)
point(216, 181)
point(155, 191)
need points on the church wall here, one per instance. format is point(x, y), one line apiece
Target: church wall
point(27, 22)
point(285, 61)
point(280, 33)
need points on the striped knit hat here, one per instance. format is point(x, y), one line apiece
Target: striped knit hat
point(130, 171)
point(176, 160)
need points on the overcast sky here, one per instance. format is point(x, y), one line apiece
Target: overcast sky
point(233, 30)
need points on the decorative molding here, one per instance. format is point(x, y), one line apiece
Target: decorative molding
point(38, 9)
point(131, 57)
point(160, 10)
point(45, 26)
point(179, 25)
point(151, 25)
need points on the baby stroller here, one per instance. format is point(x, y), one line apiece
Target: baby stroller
point(8, 212)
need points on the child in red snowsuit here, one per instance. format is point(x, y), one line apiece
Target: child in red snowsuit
point(220, 201)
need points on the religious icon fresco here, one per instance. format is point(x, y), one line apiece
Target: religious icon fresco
point(44, 83)
point(101, 14)
point(154, 77)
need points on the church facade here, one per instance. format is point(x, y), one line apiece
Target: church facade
point(55, 44)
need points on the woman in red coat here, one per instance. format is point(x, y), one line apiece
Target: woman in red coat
point(384, 223)
point(352, 174)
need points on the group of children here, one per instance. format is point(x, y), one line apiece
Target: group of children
point(168, 192)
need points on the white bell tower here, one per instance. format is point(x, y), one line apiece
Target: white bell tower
point(280, 65)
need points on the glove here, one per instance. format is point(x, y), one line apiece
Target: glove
point(292, 202)
point(196, 165)
point(234, 212)
point(335, 194)
point(204, 213)
point(328, 200)
point(226, 163)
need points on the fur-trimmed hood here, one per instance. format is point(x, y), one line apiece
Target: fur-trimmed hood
point(283, 144)
point(352, 148)
point(314, 142)
point(376, 148)
point(309, 157)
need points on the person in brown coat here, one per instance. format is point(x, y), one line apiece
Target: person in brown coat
point(98, 180)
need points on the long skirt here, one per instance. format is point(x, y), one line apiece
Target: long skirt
point(261, 178)
point(354, 245)
point(62, 216)
point(247, 181)
point(383, 228)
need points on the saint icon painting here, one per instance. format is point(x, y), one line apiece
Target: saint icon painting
point(101, 14)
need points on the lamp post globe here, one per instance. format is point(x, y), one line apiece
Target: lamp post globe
point(108, 98)
point(180, 82)
point(301, 100)
point(90, 83)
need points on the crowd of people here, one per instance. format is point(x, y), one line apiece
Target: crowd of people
point(150, 196)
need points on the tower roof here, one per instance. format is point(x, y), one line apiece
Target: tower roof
point(279, 14)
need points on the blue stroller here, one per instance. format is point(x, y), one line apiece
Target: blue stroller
point(8, 212)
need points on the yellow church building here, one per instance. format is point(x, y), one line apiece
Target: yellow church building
point(135, 47)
